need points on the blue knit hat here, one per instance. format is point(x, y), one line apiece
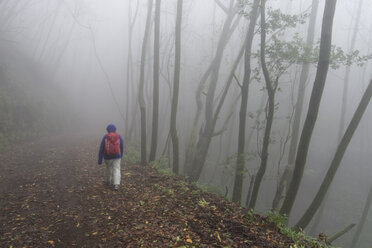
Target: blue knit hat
point(111, 128)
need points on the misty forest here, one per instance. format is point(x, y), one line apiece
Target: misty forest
point(243, 123)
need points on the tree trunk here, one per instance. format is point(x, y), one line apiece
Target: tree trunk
point(269, 114)
point(363, 219)
point(304, 221)
point(155, 104)
point(340, 233)
point(286, 176)
point(250, 188)
point(312, 114)
point(212, 71)
point(51, 28)
point(238, 182)
point(208, 132)
point(129, 76)
point(177, 68)
point(141, 99)
point(347, 72)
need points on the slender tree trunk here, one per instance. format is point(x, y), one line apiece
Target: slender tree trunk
point(209, 103)
point(209, 131)
point(286, 176)
point(141, 99)
point(250, 188)
point(50, 30)
point(347, 72)
point(312, 114)
point(363, 219)
point(190, 150)
point(212, 72)
point(340, 233)
point(318, 217)
point(177, 68)
point(8, 16)
point(238, 182)
point(269, 114)
point(306, 218)
point(129, 71)
point(129, 76)
point(57, 62)
point(155, 107)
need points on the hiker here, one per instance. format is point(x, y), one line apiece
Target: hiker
point(111, 150)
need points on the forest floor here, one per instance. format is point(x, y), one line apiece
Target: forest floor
point(52, 194)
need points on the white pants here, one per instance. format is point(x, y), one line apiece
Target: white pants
point(113, 174)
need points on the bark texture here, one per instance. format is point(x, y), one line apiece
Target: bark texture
point(176, 84)
point(312, 114)
point(141, 98)
point(239, 169)
point(306, 218)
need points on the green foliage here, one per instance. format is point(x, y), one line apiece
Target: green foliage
point(132, 155)
point(278, 219)
point(278, 21)
point(20, 117)
point(209, 188)
point(250, 215)
point(162, 165)
point(300, 239)
point(203, 203)
point(283, 50)
point(28, 108)
point(337, 57)
point(230, 163)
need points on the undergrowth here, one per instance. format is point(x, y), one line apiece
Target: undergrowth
point(300, 239)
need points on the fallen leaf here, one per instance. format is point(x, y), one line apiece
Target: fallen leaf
point(218, 236)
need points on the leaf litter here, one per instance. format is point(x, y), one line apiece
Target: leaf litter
point(56, 197)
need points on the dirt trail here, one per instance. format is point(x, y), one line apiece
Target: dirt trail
point(52, 195)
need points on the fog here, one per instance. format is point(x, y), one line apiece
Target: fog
point(70, 66)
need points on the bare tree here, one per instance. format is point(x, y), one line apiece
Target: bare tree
point(347, 71)
point(238, 182)
point(271, 87)
point(196, 154)
point(129, 77)
point(363, 219)
point(155, 105)
point(177, 69)
point(286, 176)
point(207, 131)
point(312, 114)
point(141, 99)
point(306, 218)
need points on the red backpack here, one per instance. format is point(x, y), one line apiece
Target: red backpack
point(112, 144)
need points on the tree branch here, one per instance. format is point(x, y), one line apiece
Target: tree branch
point(340, 233)
point(223, 7)
point(220, 132)
point(237, 81)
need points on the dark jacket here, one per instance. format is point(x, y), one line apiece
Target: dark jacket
point(110, 128)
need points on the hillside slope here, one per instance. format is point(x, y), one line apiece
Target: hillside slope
point(52, 195)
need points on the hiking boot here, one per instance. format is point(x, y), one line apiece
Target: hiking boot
point(116, 187)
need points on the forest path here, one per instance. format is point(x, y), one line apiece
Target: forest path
point(52, 195)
